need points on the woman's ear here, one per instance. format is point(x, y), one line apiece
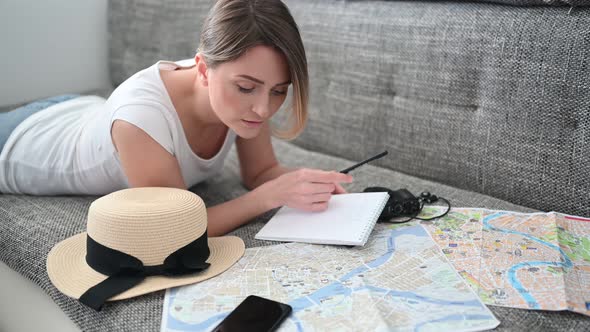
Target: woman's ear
point(201, 70)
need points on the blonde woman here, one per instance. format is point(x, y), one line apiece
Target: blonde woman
point(172, 124)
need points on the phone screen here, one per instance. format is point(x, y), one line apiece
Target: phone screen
point(255, 313)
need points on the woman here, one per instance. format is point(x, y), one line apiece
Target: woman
point(172, 124)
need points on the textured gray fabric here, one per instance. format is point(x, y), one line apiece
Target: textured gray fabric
point(144, 31)
point(537, 2)
point(522, 2)
point(488, 98)
point(483, 97)
point(577, 3)
point(31, 226)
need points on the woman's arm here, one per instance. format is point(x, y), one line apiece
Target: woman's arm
point(258, 163)
point(272, 186)
point(146, 163)
point(304, 189)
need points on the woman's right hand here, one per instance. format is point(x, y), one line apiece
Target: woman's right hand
point(304, 189)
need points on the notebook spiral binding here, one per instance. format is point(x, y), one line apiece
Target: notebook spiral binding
point(366, 231)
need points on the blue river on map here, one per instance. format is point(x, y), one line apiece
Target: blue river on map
point(337, 288)
point(567, 263)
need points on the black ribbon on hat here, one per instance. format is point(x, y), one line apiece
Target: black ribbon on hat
point(126, 271)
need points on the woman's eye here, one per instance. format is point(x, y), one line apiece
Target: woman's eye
point(245, 90)
point(278, 93)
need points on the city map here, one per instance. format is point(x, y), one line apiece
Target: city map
point(522, 260)
point(400, 280)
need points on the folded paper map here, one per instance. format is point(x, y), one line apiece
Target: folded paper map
point(520, 260)
point(399, 281)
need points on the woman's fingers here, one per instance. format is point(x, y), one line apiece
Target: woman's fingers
point(319, 198)
point(318, 181)
point(319, 176)
point(339, 189)
point(311, 188)
point(312, 202)
point(317, 207)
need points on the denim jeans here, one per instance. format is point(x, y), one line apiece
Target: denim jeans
point(11, 119)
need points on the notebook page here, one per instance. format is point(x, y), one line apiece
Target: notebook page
point(348, 220)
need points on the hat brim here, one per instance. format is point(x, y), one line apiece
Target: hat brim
point(69, 272)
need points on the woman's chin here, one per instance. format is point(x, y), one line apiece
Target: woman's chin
point(246, 133)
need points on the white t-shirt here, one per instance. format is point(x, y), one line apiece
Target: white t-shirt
point(67, 148)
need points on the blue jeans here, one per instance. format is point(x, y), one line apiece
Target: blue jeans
point(10, 120)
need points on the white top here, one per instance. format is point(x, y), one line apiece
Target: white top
point(67, 148)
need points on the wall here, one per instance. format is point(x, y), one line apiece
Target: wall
point(51, 47)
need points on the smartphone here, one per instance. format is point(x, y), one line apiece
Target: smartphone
point(255, 314)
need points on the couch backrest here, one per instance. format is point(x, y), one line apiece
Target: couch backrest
point(485, 97)
point(142, 32)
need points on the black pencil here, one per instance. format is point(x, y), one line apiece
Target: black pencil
point(345, 171)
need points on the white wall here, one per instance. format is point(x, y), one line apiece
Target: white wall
point(49, 47)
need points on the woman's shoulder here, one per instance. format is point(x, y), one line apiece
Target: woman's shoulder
point(143, 84)
point(146, 87)
point(154, 121)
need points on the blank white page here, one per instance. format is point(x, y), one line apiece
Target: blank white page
point(349, 220)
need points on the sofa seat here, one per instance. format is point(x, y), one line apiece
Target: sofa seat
point(32, 225)
point(473, 99)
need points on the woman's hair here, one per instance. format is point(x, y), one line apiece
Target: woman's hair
point(234, 26)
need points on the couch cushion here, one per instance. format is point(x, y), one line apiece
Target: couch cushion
point(525, 2)
point(479, 96)
point(31, 226)
point(483, 97)
point(538, 2)
point(141, 32)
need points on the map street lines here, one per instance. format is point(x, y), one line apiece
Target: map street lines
point(399, 281)
point(521, 260)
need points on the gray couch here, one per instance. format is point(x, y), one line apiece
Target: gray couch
point(486, 103)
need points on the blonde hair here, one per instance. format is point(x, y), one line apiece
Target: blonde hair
point(234, 26)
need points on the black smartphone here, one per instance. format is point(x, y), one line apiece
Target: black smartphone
point(255, 314)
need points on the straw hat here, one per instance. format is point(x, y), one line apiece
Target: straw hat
point(141, 228)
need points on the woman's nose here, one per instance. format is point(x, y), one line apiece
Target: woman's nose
point(262, 108)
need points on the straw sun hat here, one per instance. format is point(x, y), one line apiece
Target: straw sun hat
point(138, 241)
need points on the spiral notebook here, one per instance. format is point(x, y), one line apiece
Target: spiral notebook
point(349, 220)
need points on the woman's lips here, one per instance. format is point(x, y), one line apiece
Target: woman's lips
point(252, 124)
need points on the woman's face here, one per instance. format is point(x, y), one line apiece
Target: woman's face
point(247, 92)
